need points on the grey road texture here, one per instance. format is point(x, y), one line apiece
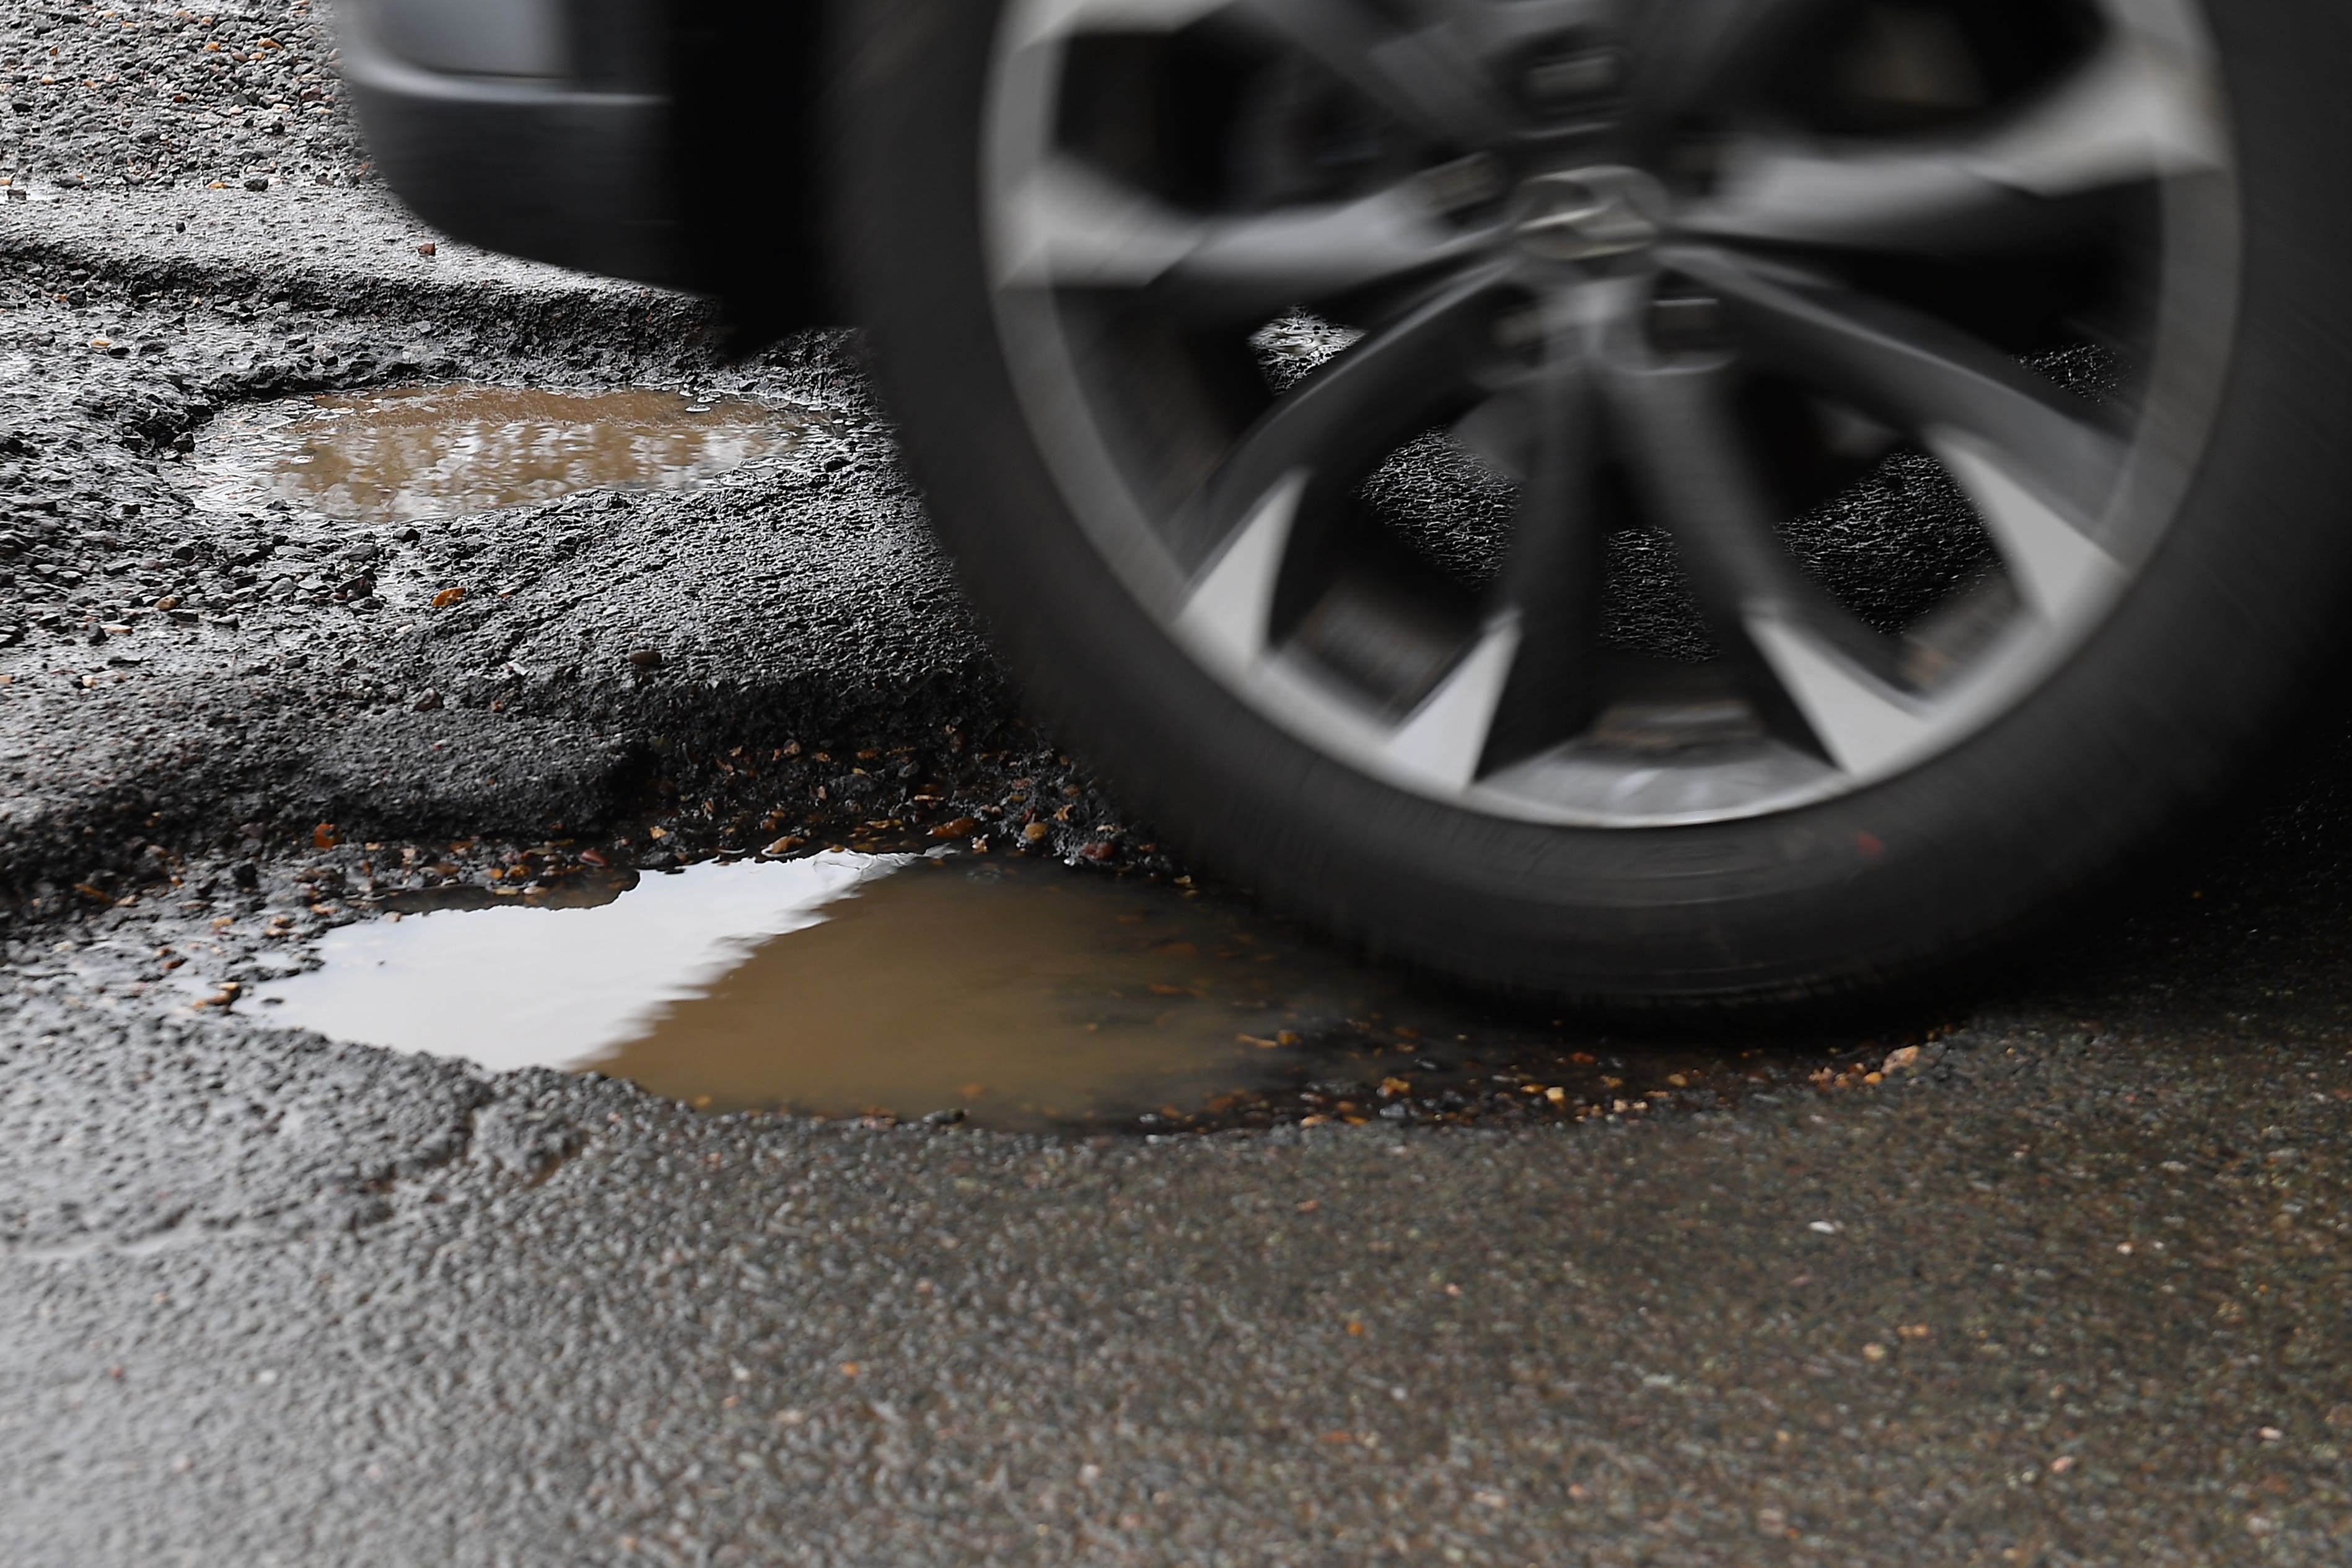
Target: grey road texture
point(2067, 1285)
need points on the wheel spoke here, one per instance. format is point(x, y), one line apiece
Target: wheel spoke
point(1355, 407)
point(2135, 113)
point(1073, 227)
point(1308, 450)
point(2057, 566)
point(1552, 580)
point(1492, 31)
point(1693, 51)
point(1447, 739)
point(1862, 723)
point(2034, 461)
point(1433, 73)
point(1816, 675)
point(1231, 606)
point(1043, 21)
point(1425, 77)
point(1528, 682)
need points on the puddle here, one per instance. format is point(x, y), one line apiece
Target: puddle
point(444, 451)
point(1020, 996)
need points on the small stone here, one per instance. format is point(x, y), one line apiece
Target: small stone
point(525, 1145)
point(257, 182)
point(645, 658)
point(947, 1118)
point(428, 248)
point(425, 703)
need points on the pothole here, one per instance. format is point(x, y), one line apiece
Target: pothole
point(1016, 995)
point(449, 450)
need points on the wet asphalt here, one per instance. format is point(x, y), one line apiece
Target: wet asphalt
point(2069, 1285)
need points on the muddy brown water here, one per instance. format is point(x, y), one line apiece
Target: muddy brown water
point(1014, 994)
point(447, 450)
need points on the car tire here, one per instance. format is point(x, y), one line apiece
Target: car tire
point(1886, 868)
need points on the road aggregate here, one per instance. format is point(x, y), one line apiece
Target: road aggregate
point(2050, 1270)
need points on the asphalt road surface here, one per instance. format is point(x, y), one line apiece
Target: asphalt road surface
point(2069, 1286)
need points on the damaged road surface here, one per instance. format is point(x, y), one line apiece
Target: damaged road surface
point(2051, 1273)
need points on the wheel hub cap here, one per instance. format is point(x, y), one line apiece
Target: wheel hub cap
point(1584, 215)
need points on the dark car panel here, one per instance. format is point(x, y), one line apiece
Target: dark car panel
point(553, 130)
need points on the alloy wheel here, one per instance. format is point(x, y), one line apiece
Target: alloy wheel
point(1608, 414)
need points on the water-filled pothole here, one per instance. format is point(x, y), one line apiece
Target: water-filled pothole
point(444, 451)
point(1018, 995)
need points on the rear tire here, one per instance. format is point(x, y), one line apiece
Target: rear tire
point(1882, 869)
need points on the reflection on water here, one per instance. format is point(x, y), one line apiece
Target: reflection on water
point(513, 987)
point(441, 451)
point(1018, 994)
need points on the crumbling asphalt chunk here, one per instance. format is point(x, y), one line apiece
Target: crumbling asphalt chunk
point(526, 1133)
point(266, 1130)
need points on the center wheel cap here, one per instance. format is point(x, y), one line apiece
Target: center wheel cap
point(1581, 215)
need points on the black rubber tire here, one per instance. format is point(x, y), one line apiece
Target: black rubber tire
point(2150, 718)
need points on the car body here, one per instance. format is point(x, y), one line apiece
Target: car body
point(556, 130)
